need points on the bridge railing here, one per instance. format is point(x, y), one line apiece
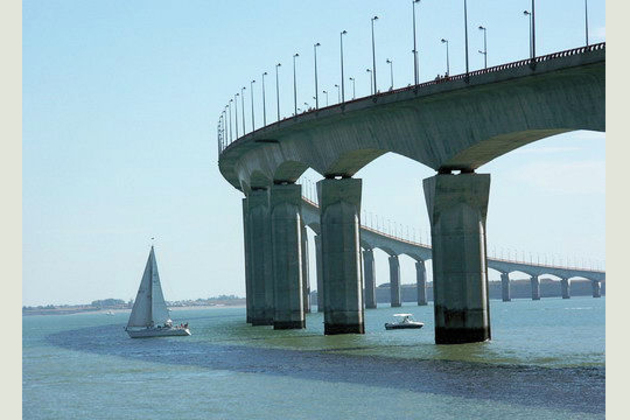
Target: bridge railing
point(224, 143)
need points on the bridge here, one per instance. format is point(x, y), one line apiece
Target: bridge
point(453, 126)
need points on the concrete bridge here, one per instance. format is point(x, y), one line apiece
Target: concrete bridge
point(452, 126)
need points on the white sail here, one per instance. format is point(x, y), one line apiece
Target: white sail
point(149, 308)
point(158, 309)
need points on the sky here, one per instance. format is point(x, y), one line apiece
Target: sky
point(121, 100)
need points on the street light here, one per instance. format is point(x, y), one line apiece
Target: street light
point(229, 128)
point(533, 29)
point(485, 47)
point(230, 114)
point(325, 93)
point(466, 32)
point(243, 106)
point(236, 114)
point(354, 90)
point(316, 89)
point(448, 70)
point(278, 91)
point(264, 100)
point(586, 20)
point(416, 73)
point(371, 84)
point(251, 90)
point(344, 32)
point(295, 82)
point(375, 18)
point(526, 13)
point(338, 94)
point(391, 71)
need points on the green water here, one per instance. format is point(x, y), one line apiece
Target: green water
point(546, 361)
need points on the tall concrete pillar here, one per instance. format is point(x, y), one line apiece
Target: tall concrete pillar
point(597, 289)
point(320, 273)
point(248, 279)
point(505, 287)
point(457, 206)
point(566, 288)
point(369, 275)
point(394, 281)
point(261, 260)
point(340, 209)
point(306, 284)
point(286, 220)
point(421, 283)
point(535, 288)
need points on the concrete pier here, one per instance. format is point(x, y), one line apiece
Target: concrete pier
point(320, 273)
point(306, 283)
point(535, 288)
point(286, 227)
point(457, 206)
point(261, 257)
point(421, 283)
point(340, 204)
point(505, 287)
point(394, 281)
point(597, 289)
point(566, 288)
point(248, 275)
point(369, 279)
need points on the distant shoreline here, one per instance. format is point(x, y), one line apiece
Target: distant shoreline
point(235, 303)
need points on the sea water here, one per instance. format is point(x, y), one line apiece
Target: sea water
point(546, 360)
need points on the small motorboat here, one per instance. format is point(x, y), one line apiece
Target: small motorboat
point(403, 321)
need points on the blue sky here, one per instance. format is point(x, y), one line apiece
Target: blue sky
point(120, 102)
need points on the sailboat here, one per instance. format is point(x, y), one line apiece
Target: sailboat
point(149, 316)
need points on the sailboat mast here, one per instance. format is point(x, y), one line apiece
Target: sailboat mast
point(151, 323)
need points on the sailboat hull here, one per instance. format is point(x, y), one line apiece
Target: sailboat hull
point(158, 332)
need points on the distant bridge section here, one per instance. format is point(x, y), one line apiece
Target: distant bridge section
point(372, 238)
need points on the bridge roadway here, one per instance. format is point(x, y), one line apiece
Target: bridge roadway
point(454, 125)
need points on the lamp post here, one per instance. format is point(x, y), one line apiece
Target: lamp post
point(344, 32)
point(586, 20)
point(251, 91)
point(326, 93)
point(236, 115)
point(375, 18)
point(529, 15)
point(485, 47)
point(448, 70)
point(338, 94)
point(391, 71)
point(466, 33)
point(416, 71)
point(230, 115)
point(278, 91)
point(371, 84)
point(296, 55)
point(228, 131)
point(354, 90)
point(533, 29)
point(264, 100)
point(316, 88)
point(243, 106)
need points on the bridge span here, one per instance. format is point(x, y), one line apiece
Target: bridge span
point(454, 127)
